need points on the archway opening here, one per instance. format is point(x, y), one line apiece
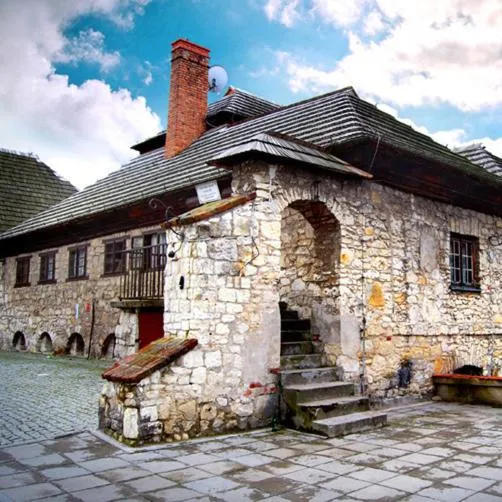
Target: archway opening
point(44, 343)
point(75, 345)
point(310, 257)
point(108, 348)
point(19, 341)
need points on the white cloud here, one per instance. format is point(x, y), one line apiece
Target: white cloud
point(338, 12)
point(373, 23)
point(446, 51)
point(89, 47)
point(284, 11)
point(82, 131)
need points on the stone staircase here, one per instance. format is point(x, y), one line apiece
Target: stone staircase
point(312, 397)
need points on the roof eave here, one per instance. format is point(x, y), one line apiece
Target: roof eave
point(229, 162)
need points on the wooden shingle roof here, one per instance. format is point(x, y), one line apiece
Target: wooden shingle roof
point(337, 118)
point(478, 154)
point(27, 187)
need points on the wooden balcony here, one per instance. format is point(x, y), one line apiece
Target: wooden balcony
point(143, 279)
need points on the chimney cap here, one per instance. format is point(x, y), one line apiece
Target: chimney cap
point(184, 43)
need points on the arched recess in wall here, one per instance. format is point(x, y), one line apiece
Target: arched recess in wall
point(75, 345)
point(108, 347)
point(19, 341)
point(44, 343)
point(310, 256)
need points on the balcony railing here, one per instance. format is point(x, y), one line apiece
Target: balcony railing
point(144, 275)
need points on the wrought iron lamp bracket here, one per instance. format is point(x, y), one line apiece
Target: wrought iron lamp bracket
point(156, 203)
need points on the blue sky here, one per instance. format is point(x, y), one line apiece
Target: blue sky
point(82, 81)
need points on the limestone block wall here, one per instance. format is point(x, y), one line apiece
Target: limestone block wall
point(394, 276)
point(380, 298)
point(64, 308)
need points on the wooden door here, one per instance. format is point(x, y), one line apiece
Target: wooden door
point(151, 327)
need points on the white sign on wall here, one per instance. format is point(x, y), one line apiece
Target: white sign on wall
point(208, 192)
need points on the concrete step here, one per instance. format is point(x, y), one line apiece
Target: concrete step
point(296, 348)
point(320, 391)
point(349, 424)
point(333, 407)
point(301, 361)
point(308, 375)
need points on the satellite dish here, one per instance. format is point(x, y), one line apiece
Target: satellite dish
point(218, 79)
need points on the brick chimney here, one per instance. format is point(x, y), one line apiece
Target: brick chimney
point(186, 120)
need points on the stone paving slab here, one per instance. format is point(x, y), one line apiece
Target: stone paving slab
point(44, 397)
point(463, 463)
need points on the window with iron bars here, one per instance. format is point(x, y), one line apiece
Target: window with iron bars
point(464, 262)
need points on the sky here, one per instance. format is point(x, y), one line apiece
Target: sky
point(82, 81)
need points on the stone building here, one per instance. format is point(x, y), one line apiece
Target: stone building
point(346, 246)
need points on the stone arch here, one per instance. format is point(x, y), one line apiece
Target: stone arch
point(44, 343)
point(75, 345)
point(19, 341)
point(310, 254)
point(108, 347)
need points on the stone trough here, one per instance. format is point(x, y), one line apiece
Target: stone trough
point(468, 388)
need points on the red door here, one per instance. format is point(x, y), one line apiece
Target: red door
point(151, 327)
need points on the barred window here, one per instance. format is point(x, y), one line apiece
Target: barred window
point(464, 260)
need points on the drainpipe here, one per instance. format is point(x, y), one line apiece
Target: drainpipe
point(91, 333)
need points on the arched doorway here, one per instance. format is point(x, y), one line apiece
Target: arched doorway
point(75, 345)
point(19, 341)
point(108, 348)
point(309, 274)
point(44, 343)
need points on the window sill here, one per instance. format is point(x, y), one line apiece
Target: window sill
point(113, 274)
point(22, 285)
point(73, 279)
point(465, 289)
point(48, 281)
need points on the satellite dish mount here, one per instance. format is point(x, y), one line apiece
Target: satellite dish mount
point(217, 79)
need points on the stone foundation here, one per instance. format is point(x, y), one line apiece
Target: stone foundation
point(168, 406)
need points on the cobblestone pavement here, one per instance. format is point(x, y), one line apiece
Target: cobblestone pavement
point(43, 397)
point(437, 451)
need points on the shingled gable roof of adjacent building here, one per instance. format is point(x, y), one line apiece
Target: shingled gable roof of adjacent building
point(478, 154)
point(336, 118)
point(27, 186)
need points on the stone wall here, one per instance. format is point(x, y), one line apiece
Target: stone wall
point(375, 281)
point(394, 276)
point(65, 307)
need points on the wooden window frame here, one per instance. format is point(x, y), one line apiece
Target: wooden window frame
point(464, 263)
point(113, 254)
point(76, 251)
point(43, 275)
point(22, 272)
point(147, 260)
